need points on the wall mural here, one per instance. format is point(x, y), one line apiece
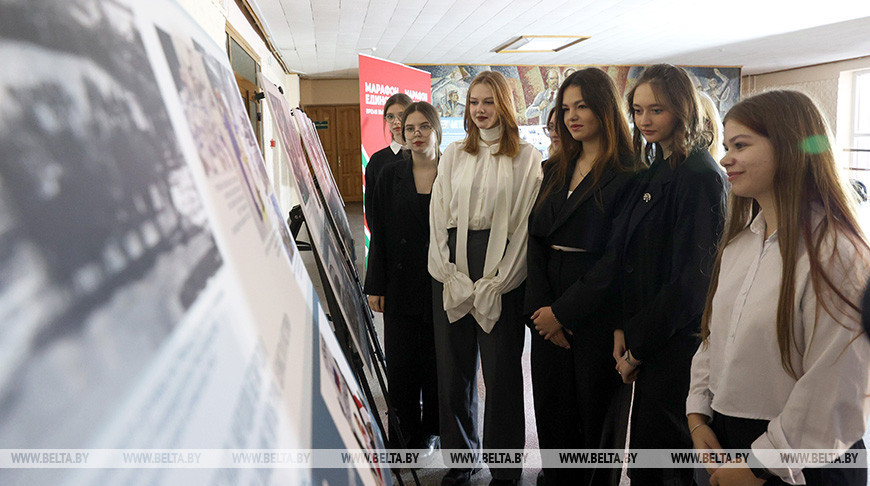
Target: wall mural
point(535, 89)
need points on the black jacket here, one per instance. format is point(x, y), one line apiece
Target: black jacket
point(583, 220)
point(399, 247)
point(660, 256)
point(376, 164)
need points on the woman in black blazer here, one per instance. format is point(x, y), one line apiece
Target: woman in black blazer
point(584, 187)
point(393, 109)
point(397, 281)
point(660, 260)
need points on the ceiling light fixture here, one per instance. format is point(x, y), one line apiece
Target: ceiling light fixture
point(539, 43)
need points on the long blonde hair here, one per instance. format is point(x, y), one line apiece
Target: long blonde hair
point(712, 125)
point(509, 144)
point(806, 177)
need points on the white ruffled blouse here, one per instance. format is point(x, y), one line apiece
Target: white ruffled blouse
point(478, 192)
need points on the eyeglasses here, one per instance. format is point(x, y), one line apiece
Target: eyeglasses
point(391, 117)
point(423, 129)
point(550, 128)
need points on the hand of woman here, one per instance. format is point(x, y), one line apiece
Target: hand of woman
point(618, 344)
point(626, 370)
point(703, 437)
point(545, 322)
point(560, 340)
point(376, 302)
point(738, 475)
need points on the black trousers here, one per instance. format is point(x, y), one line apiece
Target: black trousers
point(658, 419)
point(557, 411)
point(573, 389)
point(457, 345)
point(409, 345)
point(740, 433)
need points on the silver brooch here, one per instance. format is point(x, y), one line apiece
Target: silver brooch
point(646, 197)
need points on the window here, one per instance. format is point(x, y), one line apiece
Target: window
point(860, 147)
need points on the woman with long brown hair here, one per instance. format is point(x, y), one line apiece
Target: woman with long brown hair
point(660, 260)
point(585, 186)
point(481, 200)
point(783, 365)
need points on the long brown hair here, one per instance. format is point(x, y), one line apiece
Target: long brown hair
point(509, 144)
point(806, 179)
point(600, 95)
point(673, 89)
point(553, 150)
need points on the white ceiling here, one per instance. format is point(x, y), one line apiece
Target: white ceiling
point(321, 38)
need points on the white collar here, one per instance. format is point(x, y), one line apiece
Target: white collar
point(395, 147)
point(759, 226)
point(491, 134)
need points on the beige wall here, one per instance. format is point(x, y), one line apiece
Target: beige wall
point(330, 91)
point(823, 83)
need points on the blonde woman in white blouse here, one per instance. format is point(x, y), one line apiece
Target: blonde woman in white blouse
point(481, 199)
point(783, 365)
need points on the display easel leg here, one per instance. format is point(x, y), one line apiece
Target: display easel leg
point(342, 331)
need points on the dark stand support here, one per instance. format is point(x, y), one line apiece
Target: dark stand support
point(342, 332)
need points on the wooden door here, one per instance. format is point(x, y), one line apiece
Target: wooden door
point(339, 131)
point(349, 152)
point(249, 92)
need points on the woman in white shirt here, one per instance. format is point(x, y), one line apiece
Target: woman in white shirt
point(783, 365)
point(481, 199)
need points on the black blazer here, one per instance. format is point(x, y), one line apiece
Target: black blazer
point(377, 162)
point(583, 220)
point(660, 256)
point(399, 247)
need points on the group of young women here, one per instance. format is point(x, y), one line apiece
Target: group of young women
point(738, 324)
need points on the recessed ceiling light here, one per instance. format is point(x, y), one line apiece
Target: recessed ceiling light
point(539, 43)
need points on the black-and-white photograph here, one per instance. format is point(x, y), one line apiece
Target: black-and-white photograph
point(104, 240)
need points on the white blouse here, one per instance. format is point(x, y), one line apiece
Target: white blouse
point(478, 192)
point(739, 372)
point(396, 147)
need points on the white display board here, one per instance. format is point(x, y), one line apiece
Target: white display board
point(151, 296)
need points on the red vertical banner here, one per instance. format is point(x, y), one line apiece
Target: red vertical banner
point(378, 80)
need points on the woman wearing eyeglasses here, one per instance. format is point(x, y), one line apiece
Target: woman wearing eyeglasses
point(397, 282)
point(393, 109)
point(481, 200)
